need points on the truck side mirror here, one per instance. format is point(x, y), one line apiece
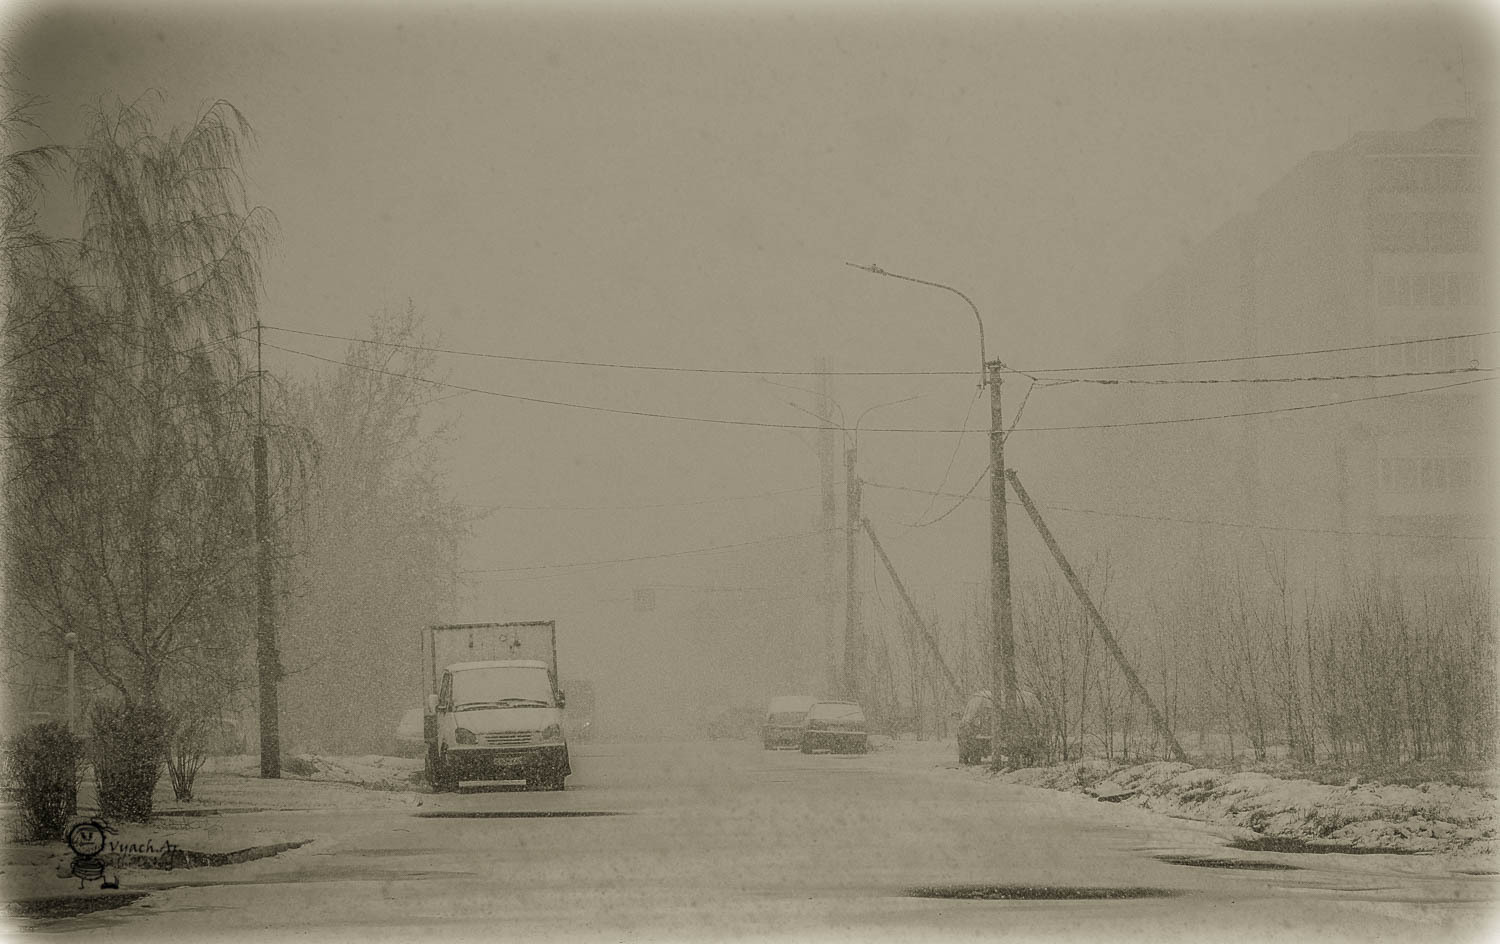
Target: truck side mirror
point(432, 704)
point(562, 699)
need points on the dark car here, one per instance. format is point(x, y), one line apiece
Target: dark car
point(976, 722)
point(782, 726)
point(835, 726)
point(974, 729)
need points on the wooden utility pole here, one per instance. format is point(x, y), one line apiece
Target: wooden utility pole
point(1003, 669)
point(854, 639)
point(911, 609)
point(268, 664)
point(1088, 604)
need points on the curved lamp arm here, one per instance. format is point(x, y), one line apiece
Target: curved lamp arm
point(877, 270)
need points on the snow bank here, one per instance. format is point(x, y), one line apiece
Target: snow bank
point(1430, 817)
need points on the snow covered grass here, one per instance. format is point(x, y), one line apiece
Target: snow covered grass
point(1426, 817)
point(372, 771)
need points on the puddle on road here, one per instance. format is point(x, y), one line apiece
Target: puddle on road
point(70, 906)
point(1036, 892)
point(166, 814)
point(1211, 863)
point(1274, 844)
point(512, 814)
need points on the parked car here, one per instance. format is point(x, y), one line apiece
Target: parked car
point(784, 717)
point(409, 741)
point(975, 724)
point(836, 726)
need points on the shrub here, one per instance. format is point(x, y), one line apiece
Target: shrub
point(129, 745)
point(43, 763)
point(186, 753)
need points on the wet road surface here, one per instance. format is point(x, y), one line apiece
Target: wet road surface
point(724, 841)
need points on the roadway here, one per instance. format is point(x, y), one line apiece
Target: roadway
point(721, 840)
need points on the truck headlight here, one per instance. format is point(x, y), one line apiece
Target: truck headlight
point(552, 732)
point(463, 736)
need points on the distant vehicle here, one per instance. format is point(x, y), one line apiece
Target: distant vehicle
point(976, 723)
point(409, 741)
point(494, 709)
point(782, 726)
point(836, 726)
point(734, 724)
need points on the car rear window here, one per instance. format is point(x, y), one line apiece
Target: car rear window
point(836, 711)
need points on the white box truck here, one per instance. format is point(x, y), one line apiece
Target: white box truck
point(493, 706)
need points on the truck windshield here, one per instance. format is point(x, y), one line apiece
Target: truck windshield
point(518, 686)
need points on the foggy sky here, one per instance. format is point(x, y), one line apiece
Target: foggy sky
point(682, 184)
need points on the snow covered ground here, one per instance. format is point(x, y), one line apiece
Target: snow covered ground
point(1429, 817)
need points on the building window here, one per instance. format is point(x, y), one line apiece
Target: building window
point(1429, 289)
point(1413, 475)
point(1429, 355)
point(1424, 232)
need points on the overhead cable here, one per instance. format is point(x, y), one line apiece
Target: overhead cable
point(874, 429)
point(615, 365)
point(642, 557)
point(969, 496)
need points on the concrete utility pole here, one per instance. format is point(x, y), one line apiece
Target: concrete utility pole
point(828, 521)
point(916, 617)
point(268, 663)
point(854, 638)
point(1003, 668)
point(1136, 687)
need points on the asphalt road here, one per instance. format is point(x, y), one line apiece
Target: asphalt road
point(724, 841)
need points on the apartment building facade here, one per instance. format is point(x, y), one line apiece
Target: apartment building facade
point(1367, 253)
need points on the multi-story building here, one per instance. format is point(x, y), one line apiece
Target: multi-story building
point(1366, 252)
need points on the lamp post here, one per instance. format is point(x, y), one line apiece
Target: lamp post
point(71, 641)
point(850, 682)
point(1003, 667)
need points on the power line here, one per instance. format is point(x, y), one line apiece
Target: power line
point(624, 560)
point(1263, 380)
point(876, 429)
point(947, 471)
point(1257, 357)
point(961, 499)
point(1245, 413)
point(969, 496)
point(643, 507)
point(613, 365)
point(616, 365)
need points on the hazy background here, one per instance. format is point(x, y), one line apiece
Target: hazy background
point(681, 184)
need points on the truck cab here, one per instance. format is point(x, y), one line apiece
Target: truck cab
point(498, 720)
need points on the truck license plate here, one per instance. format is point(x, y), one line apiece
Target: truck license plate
point(508, 760)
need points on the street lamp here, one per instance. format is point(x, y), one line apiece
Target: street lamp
point(877, 270)
point(71, 641)
point(1003, 668)
point(854, 648)
point(854, 637)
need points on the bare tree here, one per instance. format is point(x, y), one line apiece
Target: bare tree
point(376, 542)
point(128, 508)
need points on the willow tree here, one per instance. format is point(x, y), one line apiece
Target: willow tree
point(127, 419)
